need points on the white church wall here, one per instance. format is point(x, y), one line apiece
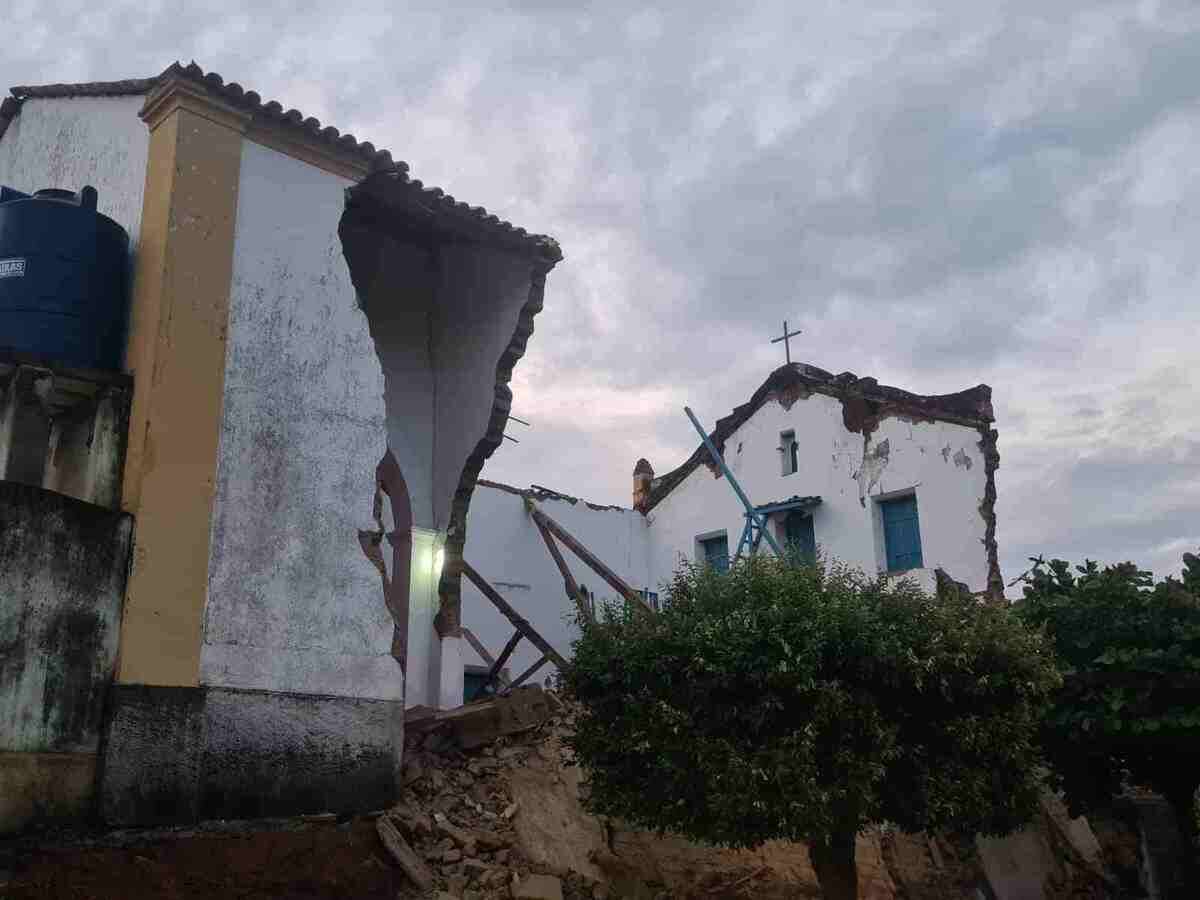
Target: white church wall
point(293, 605)
point(70, 142)
point(940, 462)
point(505, 547)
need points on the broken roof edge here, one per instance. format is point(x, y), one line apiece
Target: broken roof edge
point(392, 195)
point(539, 492)
point(865, 403)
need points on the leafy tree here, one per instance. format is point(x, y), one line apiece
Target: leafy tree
point(1129, 707)
point(805, 701)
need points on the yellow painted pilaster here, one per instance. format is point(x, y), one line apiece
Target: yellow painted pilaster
point(176, 354)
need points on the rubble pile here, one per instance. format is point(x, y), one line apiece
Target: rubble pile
point(453, 832)
point(490, 810)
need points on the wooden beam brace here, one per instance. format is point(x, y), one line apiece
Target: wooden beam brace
point(614, 580)
point(494, 673)
point(483, 652)
point(569, 582)
point(528, 673)
point(512, 615)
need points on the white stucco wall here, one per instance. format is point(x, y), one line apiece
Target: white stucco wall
point(480, 297)
point(940, 462)
point(70, 142)
point(292, 603)
point(505, 548)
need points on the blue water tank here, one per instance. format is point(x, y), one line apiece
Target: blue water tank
point(63, 275)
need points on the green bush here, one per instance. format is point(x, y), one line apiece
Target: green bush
point(1129, 707)
point(805, 701)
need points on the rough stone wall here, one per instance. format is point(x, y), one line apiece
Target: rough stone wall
point(63, 565)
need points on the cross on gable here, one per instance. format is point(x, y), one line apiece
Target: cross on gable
point(785, 337)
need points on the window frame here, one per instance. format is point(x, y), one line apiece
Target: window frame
point(789, 453)
point(882, 550)
point(701, 556)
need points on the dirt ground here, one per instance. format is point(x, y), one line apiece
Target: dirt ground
point(327, 860)
point(490, 800)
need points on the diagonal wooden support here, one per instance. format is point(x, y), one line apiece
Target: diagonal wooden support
point(483, 653)
point(512, 615)
point(569, 582)
point(503, 658)
point(528, 673)
point(614, 580)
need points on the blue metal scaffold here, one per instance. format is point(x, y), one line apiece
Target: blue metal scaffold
point(756, 522)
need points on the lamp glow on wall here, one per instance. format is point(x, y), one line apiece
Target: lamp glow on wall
point(439, 557)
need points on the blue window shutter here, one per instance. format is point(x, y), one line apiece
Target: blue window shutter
point(798, 530)
point(901, 534)
point(716, 552)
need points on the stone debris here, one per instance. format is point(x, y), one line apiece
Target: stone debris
point(456, 813)
point(539, 887)
point(492, 811)
point(403, 854)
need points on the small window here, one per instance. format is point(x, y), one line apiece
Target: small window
point(789, 450)
point(901, 533)
point(715, 552)
point(474, 678)
point(799, 534)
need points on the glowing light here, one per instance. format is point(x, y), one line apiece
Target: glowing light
point(439, 557)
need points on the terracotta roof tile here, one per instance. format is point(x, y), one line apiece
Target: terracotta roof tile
point(461, 216)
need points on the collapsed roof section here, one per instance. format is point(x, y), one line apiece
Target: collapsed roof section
point(865, 403)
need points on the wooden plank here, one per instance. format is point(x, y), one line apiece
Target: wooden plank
point(483, 652)
point(520, 679)
point(569, 582)
point(414, 867)
point(506, 610)
point(614, 580)
point(504, 655)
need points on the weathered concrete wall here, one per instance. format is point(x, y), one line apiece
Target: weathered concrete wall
point(505, 547)
point(480, 298)
point(939, 461)
point(292, 604)
point(178, 754)
point(63, 566)
point(74, 141)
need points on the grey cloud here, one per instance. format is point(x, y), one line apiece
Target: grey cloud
point(938, 193)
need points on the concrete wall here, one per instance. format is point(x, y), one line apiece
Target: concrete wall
point(69, 142)
point(941, 462)
point(63, 566)
point(178, 754)
point(505, 548)
point(292, 603)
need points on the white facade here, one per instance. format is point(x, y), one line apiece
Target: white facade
point(939, 462)
point(942, 463)
point(292, 604)
point(70, 142)
point(505, 547)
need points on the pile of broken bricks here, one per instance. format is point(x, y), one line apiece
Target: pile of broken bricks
point(452, 832)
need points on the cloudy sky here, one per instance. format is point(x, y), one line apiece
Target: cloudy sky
point(939, 194)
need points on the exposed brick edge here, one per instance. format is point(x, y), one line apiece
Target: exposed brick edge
point(448, 620)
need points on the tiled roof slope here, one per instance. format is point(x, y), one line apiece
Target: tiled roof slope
point(231, 92)
point(388, 179)
point(865, 402)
